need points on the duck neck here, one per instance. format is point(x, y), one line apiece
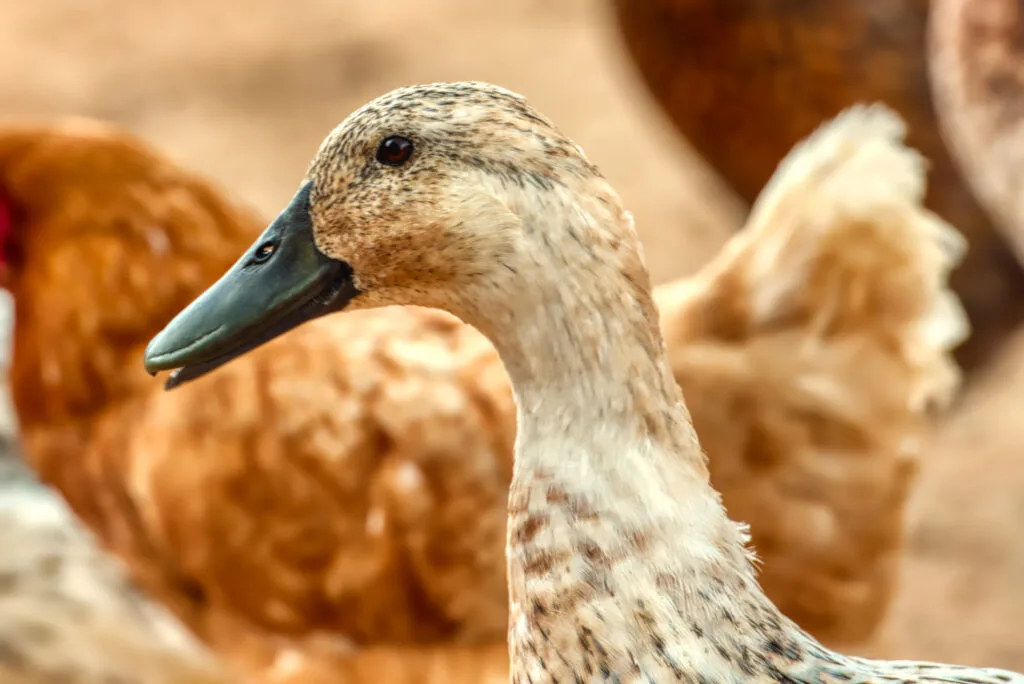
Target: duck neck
point(612, 520)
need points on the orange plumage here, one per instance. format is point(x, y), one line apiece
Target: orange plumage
point(337, 498)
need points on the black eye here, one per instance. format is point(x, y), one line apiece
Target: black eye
point(264, 252)
point(394, 150)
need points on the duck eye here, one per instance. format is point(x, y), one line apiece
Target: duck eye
point(264, 252)
point(394, 150)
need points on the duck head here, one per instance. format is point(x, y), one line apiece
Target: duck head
point(427, 196)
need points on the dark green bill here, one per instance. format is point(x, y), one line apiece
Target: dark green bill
point(282, 281)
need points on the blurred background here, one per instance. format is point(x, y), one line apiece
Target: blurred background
point(245, 90)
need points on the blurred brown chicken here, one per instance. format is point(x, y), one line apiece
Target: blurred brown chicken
point(745, 80)
point(334, 503)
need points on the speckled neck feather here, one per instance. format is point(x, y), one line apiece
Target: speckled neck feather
point(623, 565)
point(621, 558)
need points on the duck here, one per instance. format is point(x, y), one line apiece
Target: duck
point(622, 563)
point(975, 70)
point(707, 65)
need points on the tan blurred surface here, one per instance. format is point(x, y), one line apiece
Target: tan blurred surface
point(245, 90)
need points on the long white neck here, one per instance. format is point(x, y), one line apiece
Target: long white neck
point(623, 566)
point(615, 535)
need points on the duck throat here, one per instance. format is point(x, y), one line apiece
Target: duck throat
point(619, 551)
point(577, 329)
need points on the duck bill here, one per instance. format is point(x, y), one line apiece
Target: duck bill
point(282, 281)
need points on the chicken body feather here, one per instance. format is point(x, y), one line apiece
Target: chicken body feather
point(341, 492)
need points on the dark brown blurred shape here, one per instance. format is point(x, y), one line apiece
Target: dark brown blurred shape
point(745, 80)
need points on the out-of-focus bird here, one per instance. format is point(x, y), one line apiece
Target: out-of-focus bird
point(68, 612)
point(317, 504)
point(744, 81)
point(977, 76)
